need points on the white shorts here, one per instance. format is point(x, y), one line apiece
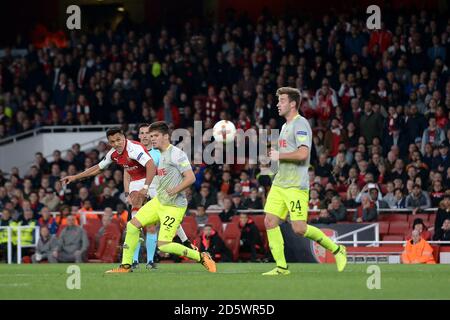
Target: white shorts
point(137, 185)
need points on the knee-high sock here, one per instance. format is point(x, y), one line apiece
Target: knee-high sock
point(180, 250)
point(150, 243)
point(318, 236)
point(181, 234)
point(131, 241)
point(134, 210)
point(276, 244)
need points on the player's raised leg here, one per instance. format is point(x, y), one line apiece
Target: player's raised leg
point(298, 201)
point(184, 239)
point(171, 218)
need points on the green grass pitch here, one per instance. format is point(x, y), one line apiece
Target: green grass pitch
point(232, 281)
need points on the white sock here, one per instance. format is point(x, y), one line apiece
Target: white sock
point(181, 234)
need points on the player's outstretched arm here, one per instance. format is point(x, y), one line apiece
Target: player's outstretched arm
point(92, 171)
point(188, 180)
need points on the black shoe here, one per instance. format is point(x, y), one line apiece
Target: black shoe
point(135, 265)
point(151, 265)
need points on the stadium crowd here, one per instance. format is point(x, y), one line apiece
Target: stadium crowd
point(378, 102)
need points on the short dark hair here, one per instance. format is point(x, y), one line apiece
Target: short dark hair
point(160, 126)
point(142, 125)
point(293, 94)
point(113, 131)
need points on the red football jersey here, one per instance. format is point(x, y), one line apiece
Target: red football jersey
point(132, 159)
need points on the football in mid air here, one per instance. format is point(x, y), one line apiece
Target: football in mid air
point(224, 131)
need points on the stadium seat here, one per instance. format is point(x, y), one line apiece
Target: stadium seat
point(423, 216)
point(190, 219)
point(259, 222)
point(383, 227)
point(91, 227)
point(190, 229)
point(393, 217)
point(432, 219)
point(231, 237)
point(216, 223)
point(235, 219)
point(398, 227)
point(109, 244)
point(392, 238)
point(60, 228)
point(436, 252)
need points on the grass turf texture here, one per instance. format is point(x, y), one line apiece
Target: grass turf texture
point(232, 281)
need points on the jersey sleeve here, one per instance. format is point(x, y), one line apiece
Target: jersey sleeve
point(106, 161)
point(140, 155)
point(181, 161)
point(302, 134)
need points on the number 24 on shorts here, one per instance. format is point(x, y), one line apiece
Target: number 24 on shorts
point(295, 206)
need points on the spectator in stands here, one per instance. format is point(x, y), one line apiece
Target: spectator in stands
point(51, 200)
point(219, 204)
point(352, 194)
point(443, 233)
point(211, 242)
point(400, 200)
point(250, 237)
point(389, 197)
point(47, 220)
point(441, 161)
point(437, 193)
point(443, 213)
point(367, 211)
point(200, 216)
point(237, 202)
point(204, 197)
point(107, 200)
point(72, 244)
point(417, 250)
point(324, 217)
point(254, 201)
point(46, 245)
point(5, 221)
point(433, 134)
point(337, 209)
point(314, 201)
point(418, 200)
point(420, 226)
point(228, 210)
point(27, 234)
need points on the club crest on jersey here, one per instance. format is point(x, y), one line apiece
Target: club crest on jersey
point(301, 135)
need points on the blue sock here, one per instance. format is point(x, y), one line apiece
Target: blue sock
point(136, 253)
point(150, 244)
